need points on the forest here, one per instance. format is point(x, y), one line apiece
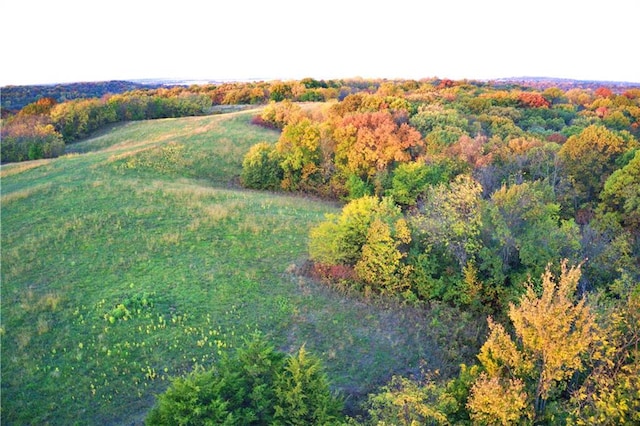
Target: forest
point(517, 203)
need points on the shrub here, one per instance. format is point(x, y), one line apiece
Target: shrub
point(255, 387)
point(340, 238)
point(370, 238)
point(260, 167)
point(30, 137)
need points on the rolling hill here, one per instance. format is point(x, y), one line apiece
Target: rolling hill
point(137, 256)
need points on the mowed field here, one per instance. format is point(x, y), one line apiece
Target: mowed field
point(138, 255)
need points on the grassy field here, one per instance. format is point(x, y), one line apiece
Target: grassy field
point(137, 256)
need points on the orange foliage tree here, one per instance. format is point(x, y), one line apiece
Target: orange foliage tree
point(369, 143)
point(533, 100)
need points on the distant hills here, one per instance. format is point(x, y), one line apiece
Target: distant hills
point(565, 84)
point(14, 98)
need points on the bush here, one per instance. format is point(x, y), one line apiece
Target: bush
point(30, 137)
point(261, 167)
point(339, 239)
point(257, 386)
point(371, 236)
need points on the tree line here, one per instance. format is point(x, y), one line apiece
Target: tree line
point(460, 194)
point(42, 129)
point(14, 98)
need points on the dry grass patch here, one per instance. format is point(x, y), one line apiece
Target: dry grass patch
point(136, 143)
point(117, 157)
point(210, 214)
point(15, 168)
point(30, 301)
point(24, 193)
point(216, 212)
point(208, 127)
point(43, 326)
point(185, 188)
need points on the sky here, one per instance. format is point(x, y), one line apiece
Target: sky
point(56, 41)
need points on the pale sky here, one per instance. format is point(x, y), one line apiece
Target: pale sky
point(50, 41)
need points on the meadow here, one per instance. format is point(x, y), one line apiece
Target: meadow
point(137, 255)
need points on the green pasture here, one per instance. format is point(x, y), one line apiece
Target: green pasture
point(137, 255)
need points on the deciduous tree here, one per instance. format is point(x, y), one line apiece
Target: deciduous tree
point(611, 392)
point(553, 332)
point(499, 401)
point(299, 152)
point(369, 143)
point(589, 159)
point(621, 195)
point(381, 266)
point(451, 218)
point(340, 238)
point(261, 167)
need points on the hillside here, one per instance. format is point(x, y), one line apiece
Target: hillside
point(136, 256)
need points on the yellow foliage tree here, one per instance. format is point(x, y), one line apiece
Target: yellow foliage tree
point(499, 401)
point(500, 356)
point(409, 403)
point(299, 150)
point(553, 335)
point(381, 265)
point(554, 331)
point(611, 393)
point(589, 158)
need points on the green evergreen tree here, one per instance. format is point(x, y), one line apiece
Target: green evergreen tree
point(256, 386)
point(192, 400)
point(250, 380)
point(303, 394)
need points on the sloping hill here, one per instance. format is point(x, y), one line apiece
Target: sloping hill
point(137, 256)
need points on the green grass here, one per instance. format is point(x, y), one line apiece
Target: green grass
point(137, 256)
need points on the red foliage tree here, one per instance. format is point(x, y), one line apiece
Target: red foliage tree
point(533, 100)
point(603, 92)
